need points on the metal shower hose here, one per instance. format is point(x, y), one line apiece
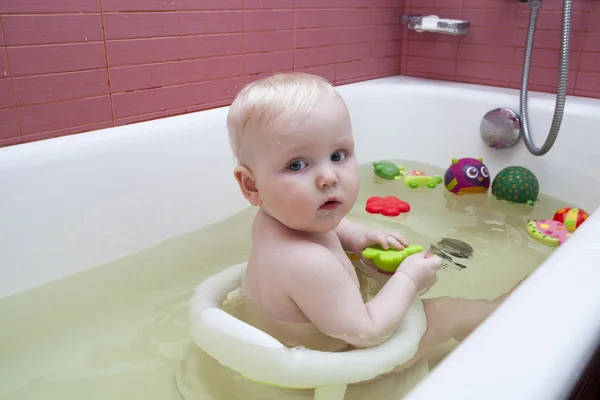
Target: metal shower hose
point(562, 79)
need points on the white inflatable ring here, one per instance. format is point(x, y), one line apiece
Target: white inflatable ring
point(261, 358)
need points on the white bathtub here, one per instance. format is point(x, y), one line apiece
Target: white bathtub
point(73, 203)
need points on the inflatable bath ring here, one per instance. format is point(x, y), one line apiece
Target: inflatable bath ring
point(571, 217)
point(389, 260)
point(548, 231)
point(415, 178)
point(389, 206)
point(261, 358)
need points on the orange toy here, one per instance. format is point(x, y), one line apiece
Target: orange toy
point(571, 217)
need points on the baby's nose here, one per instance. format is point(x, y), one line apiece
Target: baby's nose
point(328, 177)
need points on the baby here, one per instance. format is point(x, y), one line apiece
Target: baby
point(292, 137)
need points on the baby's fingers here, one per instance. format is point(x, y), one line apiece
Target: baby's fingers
point(395, 243)
point(399, 238)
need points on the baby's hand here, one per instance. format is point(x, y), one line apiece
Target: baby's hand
point(421, 268)
point(385, 239)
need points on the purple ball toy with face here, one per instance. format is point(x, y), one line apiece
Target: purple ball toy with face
point(467, 176)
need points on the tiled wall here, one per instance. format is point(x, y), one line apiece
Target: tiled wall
point(69, 66)
point(493, 51)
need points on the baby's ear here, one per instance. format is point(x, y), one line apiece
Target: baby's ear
point(245, 179)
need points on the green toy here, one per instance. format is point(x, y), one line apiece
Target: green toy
point(415, 178)
point(386, 170)
point(389, 260)
point(516, 185)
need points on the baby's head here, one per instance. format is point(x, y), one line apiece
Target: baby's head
point(292, 137)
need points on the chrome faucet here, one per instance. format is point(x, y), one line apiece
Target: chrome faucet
point(445, 26)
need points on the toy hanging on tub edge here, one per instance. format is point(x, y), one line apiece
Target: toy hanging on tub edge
point(467, 176)
point(413, 178)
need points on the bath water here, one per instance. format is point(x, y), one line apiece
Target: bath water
point(117, 331)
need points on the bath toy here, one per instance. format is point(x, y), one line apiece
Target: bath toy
point(389, 260)
point(571, 217)
point(414, 178)
point(548, 231)
point(516, 185)
point(389, 206)
point(467, 176)
point(386, 170)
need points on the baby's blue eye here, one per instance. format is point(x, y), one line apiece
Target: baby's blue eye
point(297, 165)
point(338, 156)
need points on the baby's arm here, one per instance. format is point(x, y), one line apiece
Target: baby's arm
point(354, 237)
point(324, 291)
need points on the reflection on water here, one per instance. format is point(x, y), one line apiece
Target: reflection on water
point(119, 330)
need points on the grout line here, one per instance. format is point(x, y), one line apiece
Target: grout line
point(10, 77)
point(110, 102)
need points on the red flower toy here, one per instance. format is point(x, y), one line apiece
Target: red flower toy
point(389, 206)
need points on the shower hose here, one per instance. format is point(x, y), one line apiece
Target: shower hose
point(561, 94)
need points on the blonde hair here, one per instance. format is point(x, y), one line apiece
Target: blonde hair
point(288, 96)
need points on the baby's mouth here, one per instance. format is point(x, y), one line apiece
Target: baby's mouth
point(330, 204)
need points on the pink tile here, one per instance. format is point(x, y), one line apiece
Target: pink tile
point(208, 106)
point(325, 71)
point(354, 34)
point(9, 125)
point(4, 72)
point(268, 20)
point(11, 141)
point(212, 91)
point(266, 4)
point(386, 16)
point(354, 17)
point(432, 37)
point(355, 3)
point(123, 79)
point(385, 66)
point(491, 35)
point(346, 81)
point(212, 45)
point(351, 70)
point(590, 62)
point(268, 41)
point(141, 25)
point(495, 71)
point(32, 60)
point(432, 49)
point(60, 87)
point(439, 3)
point(54, 6)
point(7, 98)
point(45, 29)
point(67, 131)
point(387, 32)
point(593, 21)
point(504, 17)
point(582, 93)
point(315, 37)
point(143, 51)
point(352, 52)
point(452, 12)
point(557, 5)
point(551, 40)
point(592, 42)
point(385, 49)
point(589, 81)
point(140, 5)
point(149, 117)
point(148, 101)
point(199, 5)
point(552, 20)
point(68, 114)
point(436, 66)
point(546, 58)
point(547, 77)
point(479, 81)
point(316, 18)
point(269, 62)
point(431, 75)
point(213, 68)
point(198, 23)
point(314, 56)
point(316, 3)
point(486, 53)
point(388, 3)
